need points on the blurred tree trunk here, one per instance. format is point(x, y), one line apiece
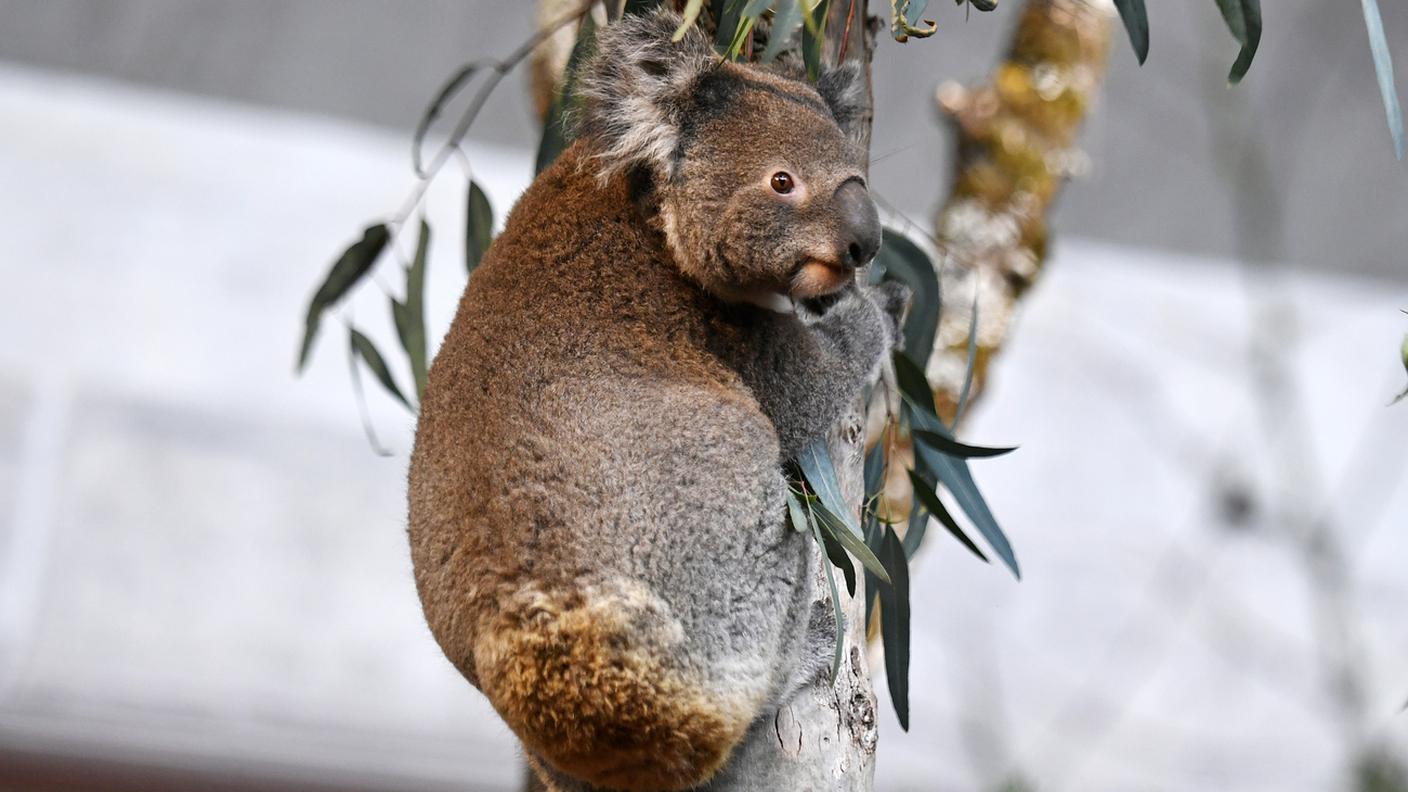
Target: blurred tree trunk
point(1015, 142)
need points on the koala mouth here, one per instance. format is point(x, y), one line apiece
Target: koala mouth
point(817, 278)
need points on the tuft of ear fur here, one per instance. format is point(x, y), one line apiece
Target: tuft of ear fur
point(844, 90)
point(635, 90)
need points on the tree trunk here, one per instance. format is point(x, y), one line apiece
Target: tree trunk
point(1015, 139)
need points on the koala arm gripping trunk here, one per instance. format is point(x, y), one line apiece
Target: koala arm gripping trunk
point(805, 374)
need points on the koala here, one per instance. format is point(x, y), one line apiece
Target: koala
point(597, 493)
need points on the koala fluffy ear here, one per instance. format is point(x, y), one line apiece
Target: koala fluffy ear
point(636, 88)
point(844, 90)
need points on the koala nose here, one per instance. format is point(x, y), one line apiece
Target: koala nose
point(859, 224)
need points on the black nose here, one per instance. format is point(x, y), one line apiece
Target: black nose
point(859, 224)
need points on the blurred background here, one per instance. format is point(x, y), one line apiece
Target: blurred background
point(204, 581)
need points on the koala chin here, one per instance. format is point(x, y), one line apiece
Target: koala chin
point(597, 515)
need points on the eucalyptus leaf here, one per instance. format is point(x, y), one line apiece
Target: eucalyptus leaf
point(1383, 69)
point(557, 132)
point(691, 15)
point(894, 625)
point(926, 494)
point(350, 267)
point(787, 17)
point(1251, 38)
point(967, 391)
point(478, 227)
point(945, 443)
point(836, 554)
point(366, 350)
point(954, 474)
point(848, 539)
point(409, 316)
point(451, 87)
point(820, 473)
point(874, 470)
point(796, 514)
point(913, 385)
point(901, 260)
point(1136, 24)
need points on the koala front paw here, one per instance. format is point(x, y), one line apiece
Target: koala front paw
point(892, 298)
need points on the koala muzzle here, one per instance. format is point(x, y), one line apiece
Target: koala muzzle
point(859, 224)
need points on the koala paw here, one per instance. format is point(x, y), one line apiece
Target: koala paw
point(892, 299)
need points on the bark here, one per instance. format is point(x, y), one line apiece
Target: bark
point(1016, 147)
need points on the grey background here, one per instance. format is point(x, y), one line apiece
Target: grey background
point(1157, 178)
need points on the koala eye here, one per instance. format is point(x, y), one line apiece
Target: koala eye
point(782, 182)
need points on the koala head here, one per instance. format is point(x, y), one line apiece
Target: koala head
point(756, 174)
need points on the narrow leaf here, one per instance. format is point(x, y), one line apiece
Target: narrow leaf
point(836, 554)
point(894, 625)
point(901, 260)
point(366, 350)
point(971, 365)
point(557, 132)
point(787, 17)
point(946, 444)
point(1232, 15)
point(795, 514)
point(874, 469)
point(1136, 24)
point(1383, 68)
point(409, 317)
point(820, 473)
point(1251, 20)
point(451, 87)
point(926, 494)
point(350, 267)
point(479, 227)
point(691, 14)
point(849, 540)
point(361, 397)
point(914, 386)
point(958, 479)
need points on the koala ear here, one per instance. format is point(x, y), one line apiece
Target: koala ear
point(636, 88)
point(844, 90)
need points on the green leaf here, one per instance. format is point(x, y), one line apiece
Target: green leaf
point(836, 554)
point(366, 350)
point(795, 513)
point(954, 474)
point(894, 625)
point(409, 317)
point(901, 260)
point(478, 227)
point(926, 494)
point(820, 474)
point(451, 87)
point(351, 266)
point(914, 386)
point(787, 17)
point(1251, 37)
point(1136, 24)
point(850, 540)
point(1232, 15)
point(971, 365)
point(874, 470)
point(557, 131)
point(814, 38)
point(835, 607)
point(1383, 69)
point(755, 8)
point(729, 18)
point(950, 446)
point(691, 14)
